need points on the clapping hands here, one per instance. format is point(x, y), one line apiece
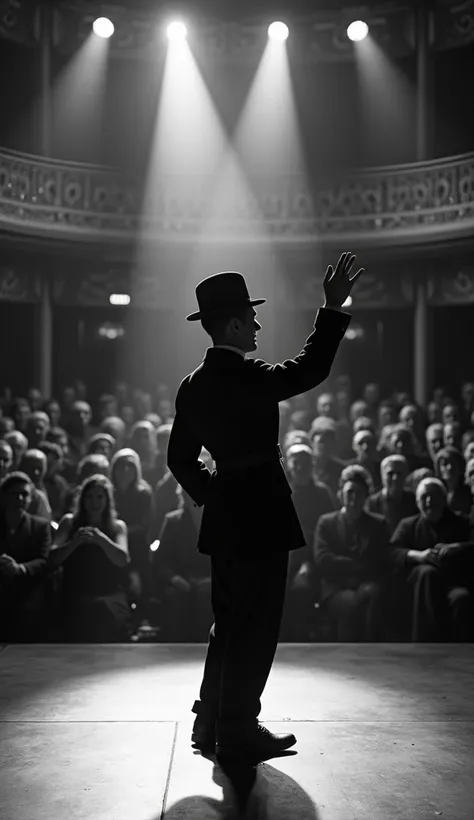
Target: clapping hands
point(337, 284)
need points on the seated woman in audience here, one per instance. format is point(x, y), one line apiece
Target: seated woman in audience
point(25, 541)
point(34, 464)
point(393, 501)
point(143, 441)
point(91, 546)
point(101, 444)
point(134, 503)
point(450, 467)
point(19, 444)
point(352, 559)
point(439, 605)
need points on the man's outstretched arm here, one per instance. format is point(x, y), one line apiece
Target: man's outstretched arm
point(183, 459)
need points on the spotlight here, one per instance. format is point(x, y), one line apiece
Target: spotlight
point(103, 27)
point(119, 299)
point(358, 30)
point(176, 32)
point(278, 31)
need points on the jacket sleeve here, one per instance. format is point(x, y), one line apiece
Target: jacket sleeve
point(38, 566)
point(400, 542)
point(313, 364)
point(331, 566)
point(184, 449)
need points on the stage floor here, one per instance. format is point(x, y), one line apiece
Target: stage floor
point(103, 732)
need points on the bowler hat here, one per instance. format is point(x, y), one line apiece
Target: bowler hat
point(221, 293)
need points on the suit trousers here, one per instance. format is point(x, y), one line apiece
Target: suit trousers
point(247, 600)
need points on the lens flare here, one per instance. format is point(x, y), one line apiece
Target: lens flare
point(103, 27)
point(176, 31)
point(278, 31)
point(358, 30)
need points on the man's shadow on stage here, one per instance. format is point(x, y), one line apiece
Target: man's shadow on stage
point(249, 791)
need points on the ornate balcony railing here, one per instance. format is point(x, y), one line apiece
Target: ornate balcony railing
point(406, 204)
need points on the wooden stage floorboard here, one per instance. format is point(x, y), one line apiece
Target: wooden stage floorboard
point(103, 732)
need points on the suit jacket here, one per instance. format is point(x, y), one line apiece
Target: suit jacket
point(337, 562)
point(229, 405)
point(177, 551)
point(392, 511)
point(417, 533)
point(29, 545)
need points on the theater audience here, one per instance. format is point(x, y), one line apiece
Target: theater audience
point(352, 559)
point(79, 428)
point(134, 504)
point(56, 435)
point(452, 436)
point(6, 458)
point(37, 427)
point(91, 546)
point(434, 440)
point(87, 467)
point(411, 416)
point(162, 440)
point(440, 602)
point(34, 464)
point(413, 479)
point(385, 414)
point(450, 468)
point(53, 410)
point(364, 446)
point(21, 414)
point(393, 501)
point(403, 442)
point(7, 425)
point(183, 576)
point(371, 397)
point(311, 500)
point(363, 423)
point(115, 427)
point(25, 542)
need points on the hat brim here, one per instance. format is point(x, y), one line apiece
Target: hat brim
point(194, 317)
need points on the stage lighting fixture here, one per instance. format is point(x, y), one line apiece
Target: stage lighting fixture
point(278, 31)
point(358, 30)
point(176, 31)
point(119, 299)
point(103, 27)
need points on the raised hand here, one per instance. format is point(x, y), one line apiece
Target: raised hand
point(337, 284)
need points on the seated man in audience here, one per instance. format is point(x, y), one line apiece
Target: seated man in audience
point(364, 446)
point(351, 556)
point(295, 437)
point(413, 479)
point(411, 417)
point(56, 486)
point(393, 501)
point(403, 442)
point(79, 429)
point(450, 468)
point(7, 425)
point(56, 435)
point(34, 464)
point(440, 605)
point(25, 542)
point(183, 576)
point(326, 467)
point(19, 444)
point(311, 500)
point(36, 428)
point(434, 440)
point(6, 459)
point(452, 435)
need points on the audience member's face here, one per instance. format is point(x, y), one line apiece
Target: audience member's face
point(22, 414)
point(18, 498)
point(33, 467)
point(431, 502)
point(6, 458)
point(433, 412)
point(125, 473)
point(469, 452)
point(364, 445)
point(35, 399)
point(452, 435)
point(102, 447)
point(449, 471)
point(95, 502)
point(434, 441)
point(143, 440)
point(7, 425)
point(322, 445)
point(393, 478)
point(54, 413)
point(467, 393)
point(37, 429)
point(81, 415)
point(325, 406)
point(371, 394)
point(386, 416)
point(450, 414)
point(353, 497)
point(19, 449)
point(64, 445)
point(69, 397)
point(401, 444)
point(300, 467)
point(409, 416)
point(128, 415)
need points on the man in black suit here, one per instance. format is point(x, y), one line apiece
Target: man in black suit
point(25, 543)
point(229, 405)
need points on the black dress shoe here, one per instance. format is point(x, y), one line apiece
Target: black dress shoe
point(253, 745)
